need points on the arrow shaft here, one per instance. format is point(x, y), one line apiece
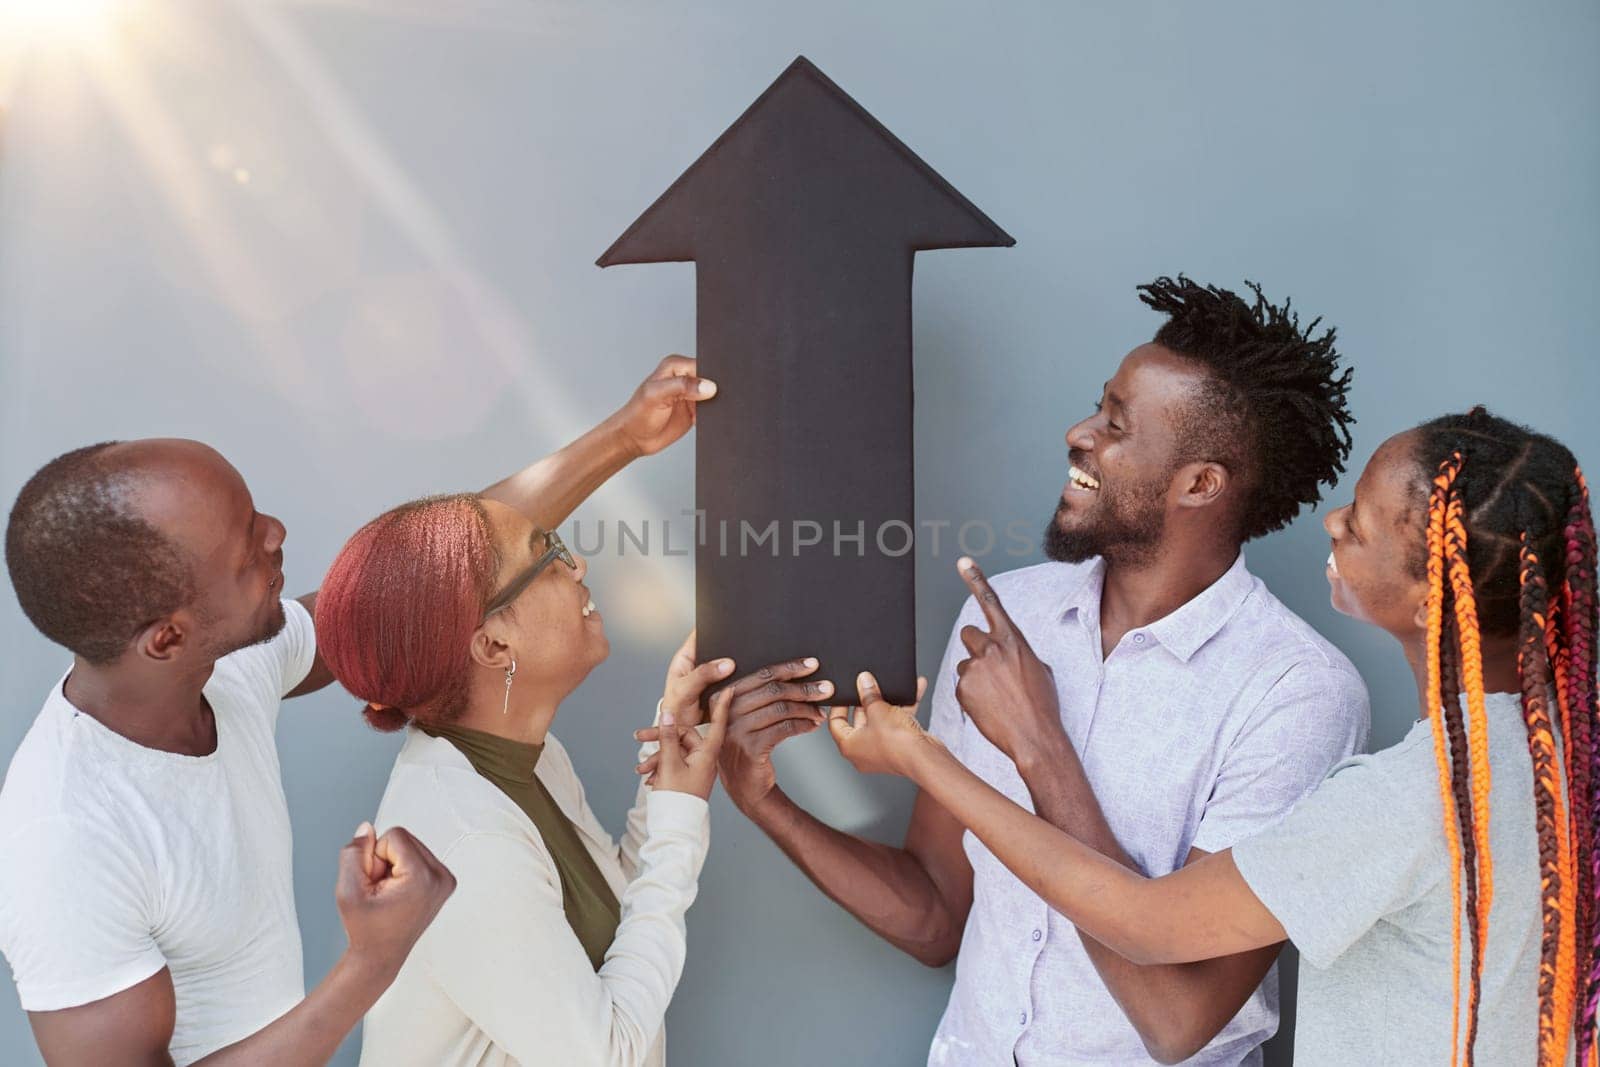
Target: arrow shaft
point(815, 398)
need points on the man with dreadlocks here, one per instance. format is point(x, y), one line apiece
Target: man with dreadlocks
point(1202, 708)
point(1442, 891)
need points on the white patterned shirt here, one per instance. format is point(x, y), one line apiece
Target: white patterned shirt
point(1198, 730)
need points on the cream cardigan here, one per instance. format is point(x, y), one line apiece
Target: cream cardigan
point(499, 978)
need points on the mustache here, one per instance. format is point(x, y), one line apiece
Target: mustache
point(1080, 460)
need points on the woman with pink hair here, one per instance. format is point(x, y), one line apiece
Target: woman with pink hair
point(465, 624)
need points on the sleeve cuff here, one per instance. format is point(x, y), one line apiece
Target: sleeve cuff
point(62, 995)
point(1217, 840)
point(1279, 899)
point(667, 810)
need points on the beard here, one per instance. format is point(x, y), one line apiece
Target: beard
point(1125, 528)
point(266, 632)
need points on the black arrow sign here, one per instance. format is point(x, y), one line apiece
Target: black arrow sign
point(802, 221)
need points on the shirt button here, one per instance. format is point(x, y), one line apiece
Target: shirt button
point(1023, 1019)
point(1138, 639)
point(1037, 934)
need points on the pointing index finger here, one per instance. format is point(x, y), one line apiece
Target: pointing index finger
point(984, 594)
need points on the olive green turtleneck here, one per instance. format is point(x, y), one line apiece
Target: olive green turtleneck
point(591, 907)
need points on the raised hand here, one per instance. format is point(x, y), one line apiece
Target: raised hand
point(768, 707)
point(687, 762)
point(389, 890)
point(884, 738)
point(662, 409)
point(1004, 688)
point(686, 682)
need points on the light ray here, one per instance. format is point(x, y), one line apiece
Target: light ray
point(501, 328)
point(196, 203)
point(500, 16)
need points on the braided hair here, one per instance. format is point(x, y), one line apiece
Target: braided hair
point(1510, 552)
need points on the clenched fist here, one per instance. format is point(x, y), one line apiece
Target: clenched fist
point(389, 890)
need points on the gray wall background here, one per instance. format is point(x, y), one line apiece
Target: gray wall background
point(350, 243)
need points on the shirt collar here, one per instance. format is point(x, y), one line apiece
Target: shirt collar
point(496, 758)
point(1185, 630)
point(1081, 594)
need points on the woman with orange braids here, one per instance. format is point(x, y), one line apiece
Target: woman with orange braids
point(1442, 891)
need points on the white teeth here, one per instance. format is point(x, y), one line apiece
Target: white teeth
point(1333, 564)
point(1081, 480)
point(588, 607)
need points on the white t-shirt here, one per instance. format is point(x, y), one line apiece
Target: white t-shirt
point(117, 860)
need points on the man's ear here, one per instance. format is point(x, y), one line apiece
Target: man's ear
point(489, 651)
point(1202, 484)
point(166, 639)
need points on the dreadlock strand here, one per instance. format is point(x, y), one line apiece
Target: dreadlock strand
point(1460, 793)
point(1437, 502)
point(1531, 670)
point(1466, 613)
point(1580, 627)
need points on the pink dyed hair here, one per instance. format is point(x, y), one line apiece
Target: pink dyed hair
point(398, 608)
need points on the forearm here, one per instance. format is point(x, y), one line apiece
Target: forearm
point(552, 488)
point(1174, 919)
point(888, 889)
point(1177, 1008)
point(645, 961)
point(310, 1033)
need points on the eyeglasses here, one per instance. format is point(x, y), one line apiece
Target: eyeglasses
point(554, 550)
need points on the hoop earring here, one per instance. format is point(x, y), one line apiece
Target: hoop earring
point(505, 709)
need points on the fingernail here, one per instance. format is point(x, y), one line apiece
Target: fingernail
point(364, 830)
point(667, 718)
point(811, 661)
point(638, 735)
point(824, 687)
point(863, 679)
point(965, 563)
point(725, 666)
point(707, 387)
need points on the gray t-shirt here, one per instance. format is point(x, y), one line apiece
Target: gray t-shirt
point(1359, 877)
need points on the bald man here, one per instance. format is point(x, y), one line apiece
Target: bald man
point(146, 890)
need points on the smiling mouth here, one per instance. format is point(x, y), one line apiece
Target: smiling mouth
point(1333, 565)
point(1082, 480)
point(589, 608)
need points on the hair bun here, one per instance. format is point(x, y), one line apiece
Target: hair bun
point(384, 718)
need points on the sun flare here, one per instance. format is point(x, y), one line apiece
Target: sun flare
point(47, 23)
